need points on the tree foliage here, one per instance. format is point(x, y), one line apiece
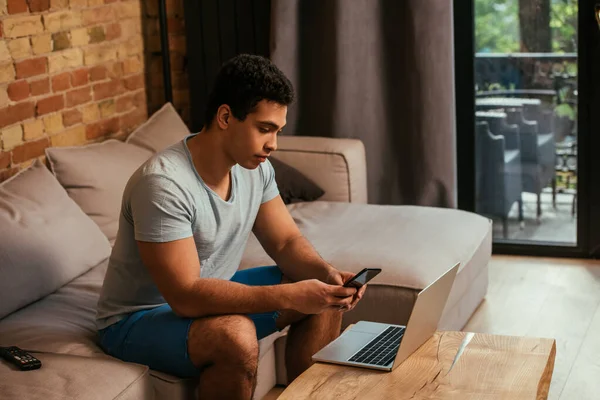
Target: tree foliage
point(497, 26)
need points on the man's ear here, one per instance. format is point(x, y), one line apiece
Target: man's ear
point(223, 116)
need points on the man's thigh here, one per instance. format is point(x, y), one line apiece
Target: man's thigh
point(156, 338)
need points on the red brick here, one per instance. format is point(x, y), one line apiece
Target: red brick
point(38, 5)
point(4, 159)
point(116, 70)
point(78, 96)
point(71, 117)
point(16, 6)
point(132, 120)
point(39, 87)
point(29, 150)
point(97, 15)
point(31, 67)
point(7, 173)
point(156, 81)
point(113, 31)
point(98, 73)
point(134, 82)
point(175, 25)
point(109, 1)
point(125, 103)
point(79, 77)
point(177, 44)
point(139, 100)
point(61, 82)
point(50, 104)
point(180, 81)
point(16, 113)
point(18, 90)
point(102, 128)
point(177, 62)
point(107, 89)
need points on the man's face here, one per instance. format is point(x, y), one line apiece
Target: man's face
point(251, 140)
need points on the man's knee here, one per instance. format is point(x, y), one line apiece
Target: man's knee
point(239, 343)
point(229, 341)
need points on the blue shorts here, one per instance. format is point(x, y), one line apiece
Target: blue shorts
point(158, 338)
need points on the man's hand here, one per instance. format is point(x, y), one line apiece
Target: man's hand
point(313, 296)
point(336, 277)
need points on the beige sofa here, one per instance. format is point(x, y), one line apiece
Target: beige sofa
point(56, 232)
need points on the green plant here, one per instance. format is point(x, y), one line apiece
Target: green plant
point(565, 110)
point(497, 26)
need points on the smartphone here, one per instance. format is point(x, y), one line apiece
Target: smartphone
point(362, 277)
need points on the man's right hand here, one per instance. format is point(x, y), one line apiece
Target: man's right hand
point(313, 296)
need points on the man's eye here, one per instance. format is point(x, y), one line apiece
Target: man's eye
point(264, 130)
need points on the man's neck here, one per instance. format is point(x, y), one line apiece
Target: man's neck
point(211, 162)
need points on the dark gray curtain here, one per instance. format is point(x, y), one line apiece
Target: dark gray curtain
point(380, 71)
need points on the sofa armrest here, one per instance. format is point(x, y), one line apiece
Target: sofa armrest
point(337, 165)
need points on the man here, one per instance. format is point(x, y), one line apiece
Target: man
point(172, 298)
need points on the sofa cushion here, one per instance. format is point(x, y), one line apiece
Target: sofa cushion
point(45, 238)
point(72, 377)
point(95, 177)
point(64, 323)
point(294, 186)
point(413, 246)
point(164, 128)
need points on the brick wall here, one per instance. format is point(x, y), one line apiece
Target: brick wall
point(71, 72)
point(178, 53)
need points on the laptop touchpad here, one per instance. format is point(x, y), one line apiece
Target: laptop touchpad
point(346, 345)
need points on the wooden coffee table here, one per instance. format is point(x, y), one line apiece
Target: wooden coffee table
point(451, 365)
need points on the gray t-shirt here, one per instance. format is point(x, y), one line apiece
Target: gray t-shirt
point(166, 200)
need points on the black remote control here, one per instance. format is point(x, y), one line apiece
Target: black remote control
point(22, 359)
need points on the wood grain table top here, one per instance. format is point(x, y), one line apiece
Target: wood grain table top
point(489, 367)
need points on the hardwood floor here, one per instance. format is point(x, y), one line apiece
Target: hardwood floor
point(555, 298)
point(547, 297)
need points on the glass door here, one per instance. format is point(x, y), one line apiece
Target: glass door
point(521, 130)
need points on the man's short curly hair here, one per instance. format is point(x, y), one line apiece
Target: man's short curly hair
point(245, 80)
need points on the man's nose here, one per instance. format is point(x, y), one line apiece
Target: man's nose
point(271, 145)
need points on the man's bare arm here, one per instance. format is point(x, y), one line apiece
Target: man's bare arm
point(174, 267)
point(279, 235)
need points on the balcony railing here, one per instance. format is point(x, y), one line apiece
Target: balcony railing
point(538, 74)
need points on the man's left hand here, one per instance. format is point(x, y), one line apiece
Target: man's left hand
point(339, 278)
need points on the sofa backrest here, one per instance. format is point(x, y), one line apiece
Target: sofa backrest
point(337, 165)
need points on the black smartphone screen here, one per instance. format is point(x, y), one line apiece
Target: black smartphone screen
point(363, 277)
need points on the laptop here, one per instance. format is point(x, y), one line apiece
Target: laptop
point(385, 346)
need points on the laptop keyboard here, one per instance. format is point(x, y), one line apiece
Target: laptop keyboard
point(382, 350)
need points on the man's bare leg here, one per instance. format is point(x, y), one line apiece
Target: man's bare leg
point(226, 349)
point(308, 334)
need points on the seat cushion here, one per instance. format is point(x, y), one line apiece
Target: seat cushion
point(73, 377)
point(412, 245)
point(63, 322)
point(45, 238)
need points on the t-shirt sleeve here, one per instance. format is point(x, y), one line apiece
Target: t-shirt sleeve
point(161, 210)
point(270, 190)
